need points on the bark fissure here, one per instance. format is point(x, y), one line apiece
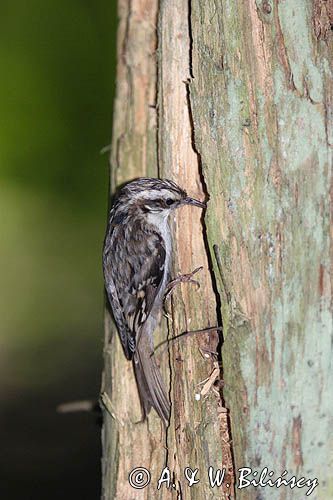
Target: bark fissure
point(170, 371)
point(189, 20)
point(188, 434)
point(226, 436)
point(156, 106)
point(204, 228)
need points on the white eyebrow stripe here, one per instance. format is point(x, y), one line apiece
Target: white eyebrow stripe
point(153, 193)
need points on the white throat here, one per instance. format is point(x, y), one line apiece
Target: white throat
point(160, 221)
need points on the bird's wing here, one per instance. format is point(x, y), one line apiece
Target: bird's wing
point(134, 266)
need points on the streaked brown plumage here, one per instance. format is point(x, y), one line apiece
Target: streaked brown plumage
point(136, 264)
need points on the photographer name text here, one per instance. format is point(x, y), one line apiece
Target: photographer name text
point(140, 478)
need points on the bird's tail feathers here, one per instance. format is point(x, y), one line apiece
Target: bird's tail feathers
point(151, 387)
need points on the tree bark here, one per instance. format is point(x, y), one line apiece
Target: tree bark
point(262, 106)
point(233, 101)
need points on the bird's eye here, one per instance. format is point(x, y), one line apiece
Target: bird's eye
point(169, 201)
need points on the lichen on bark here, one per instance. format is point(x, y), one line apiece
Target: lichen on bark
point(261, 100)
point(232, 100)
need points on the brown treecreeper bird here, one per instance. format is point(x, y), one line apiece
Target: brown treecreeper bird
point(136, 264)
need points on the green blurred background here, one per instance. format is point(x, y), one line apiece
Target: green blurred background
point(56, 92)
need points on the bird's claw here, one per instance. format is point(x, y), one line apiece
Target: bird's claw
point(183, 278)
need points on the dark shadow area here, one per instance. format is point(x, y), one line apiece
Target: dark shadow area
point(56, 92)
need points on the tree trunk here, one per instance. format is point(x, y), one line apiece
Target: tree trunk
point(233, 101)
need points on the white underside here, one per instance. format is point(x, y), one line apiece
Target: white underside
point(160, 221)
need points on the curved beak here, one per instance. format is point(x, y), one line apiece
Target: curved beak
point(193, 201)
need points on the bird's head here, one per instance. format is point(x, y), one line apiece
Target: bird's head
point(155, 196)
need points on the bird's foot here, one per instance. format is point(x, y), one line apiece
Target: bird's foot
point(183, 278)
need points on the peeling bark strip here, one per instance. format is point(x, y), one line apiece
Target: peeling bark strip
point(235, 104)
point(153, 135)
point(195, 433)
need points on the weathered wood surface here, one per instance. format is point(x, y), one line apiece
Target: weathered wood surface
point(232, 100)
point(195, 435)
point(261, 100)
point(127, 445)
point(152, 135)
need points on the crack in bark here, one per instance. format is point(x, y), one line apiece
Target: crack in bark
point(205, 235)
point(129, 79)
point(190, 51)
point(167, 430)
point(282, 53)
point(157, 111)
point(124, 53)
point(205, 190)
